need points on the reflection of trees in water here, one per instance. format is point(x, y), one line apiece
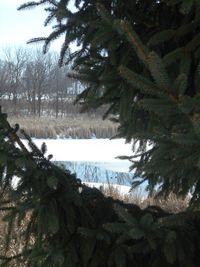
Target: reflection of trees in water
point(90, 172)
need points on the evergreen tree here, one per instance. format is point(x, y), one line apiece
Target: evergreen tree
point(141, 58)
point(145, 67)
point(56, 221)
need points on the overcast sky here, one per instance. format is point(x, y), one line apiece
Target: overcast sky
point(17, 27)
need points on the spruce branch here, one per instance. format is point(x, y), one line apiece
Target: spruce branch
point(158, 71)
point(141, 50)
point(139, 82)
point(11, 132)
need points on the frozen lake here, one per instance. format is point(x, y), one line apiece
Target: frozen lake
point(93, 160)
point(103, 151)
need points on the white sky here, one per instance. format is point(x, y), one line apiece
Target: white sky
point(17, 27)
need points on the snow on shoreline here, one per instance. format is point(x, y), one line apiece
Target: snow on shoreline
point(121, 189)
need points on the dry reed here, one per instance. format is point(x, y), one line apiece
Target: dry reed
point(171, 204)
point(68, 127)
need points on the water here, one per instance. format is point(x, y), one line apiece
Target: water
point(96, 172)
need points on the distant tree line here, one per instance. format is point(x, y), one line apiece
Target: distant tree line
point(31, 83)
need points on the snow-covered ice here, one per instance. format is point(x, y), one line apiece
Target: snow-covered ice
point(101, 151)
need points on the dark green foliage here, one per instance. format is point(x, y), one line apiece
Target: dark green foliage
point(141, 59)
point(65, 223)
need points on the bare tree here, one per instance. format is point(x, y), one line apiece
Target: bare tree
point(36, 79)
point(60, 86)
point(14, 62)
point(31, 81)
point(3, 78)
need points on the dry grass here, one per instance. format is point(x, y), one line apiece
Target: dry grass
point(74, 127)
point(171, 204)
point(16, 241)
